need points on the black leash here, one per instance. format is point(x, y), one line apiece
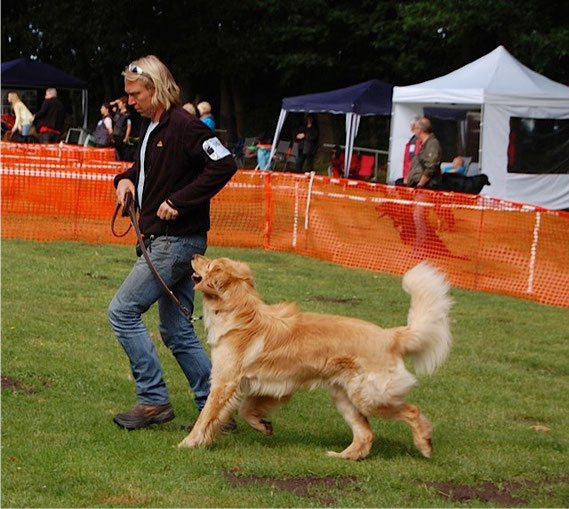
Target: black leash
point(128, 210)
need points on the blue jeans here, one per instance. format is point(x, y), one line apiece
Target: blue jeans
point(171, 256)
point(26, 129)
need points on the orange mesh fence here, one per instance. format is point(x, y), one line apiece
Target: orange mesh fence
point(481, 243)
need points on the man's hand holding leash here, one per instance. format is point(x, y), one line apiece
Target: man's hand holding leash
point(124, 186)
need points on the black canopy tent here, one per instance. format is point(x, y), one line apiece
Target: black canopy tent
point(29, 73)
point(371, 97)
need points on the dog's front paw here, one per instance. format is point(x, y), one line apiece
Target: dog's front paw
point(267, 428)
point(190, 443)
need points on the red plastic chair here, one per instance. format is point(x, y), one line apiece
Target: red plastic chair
point(367, 164)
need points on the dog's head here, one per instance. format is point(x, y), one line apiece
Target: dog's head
point(479, 182)
point(216, 278)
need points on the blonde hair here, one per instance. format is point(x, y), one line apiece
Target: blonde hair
point(15, 97)
point(204, 108)
point(155, 76)
point(189, 107)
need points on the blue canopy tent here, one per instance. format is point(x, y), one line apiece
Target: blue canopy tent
point(371, 97)
point(28, 73)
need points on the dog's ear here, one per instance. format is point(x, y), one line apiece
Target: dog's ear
point(216, 280)
point(242, 272)
point(236, 271)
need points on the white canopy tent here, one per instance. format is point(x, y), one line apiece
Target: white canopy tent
point(500, 87)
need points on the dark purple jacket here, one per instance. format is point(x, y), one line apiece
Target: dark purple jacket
point(179, 169)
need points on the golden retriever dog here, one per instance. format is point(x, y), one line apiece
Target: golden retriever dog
point(262, 354)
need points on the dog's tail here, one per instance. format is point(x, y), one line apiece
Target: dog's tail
point(427, 338)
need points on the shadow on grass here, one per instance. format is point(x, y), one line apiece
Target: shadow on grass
point(383, 447)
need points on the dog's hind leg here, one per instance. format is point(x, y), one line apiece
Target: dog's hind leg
point(254, 409)
point(362, 434)
point(419, 424)
point(221, 403)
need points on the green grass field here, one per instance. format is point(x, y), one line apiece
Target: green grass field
point(498, 405)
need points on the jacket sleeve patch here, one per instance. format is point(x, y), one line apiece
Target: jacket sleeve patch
point(215, 149)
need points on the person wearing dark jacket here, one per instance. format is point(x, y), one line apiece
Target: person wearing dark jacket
point(122, 126)
point(50, 117)
point(425, 168)
point(307, 138)
point(179, 166)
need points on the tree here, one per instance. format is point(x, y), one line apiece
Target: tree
point(247, 55)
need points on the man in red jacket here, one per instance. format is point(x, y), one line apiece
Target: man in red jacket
point(179, 166)
point(412, 148)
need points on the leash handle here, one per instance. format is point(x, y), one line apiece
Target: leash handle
point(128, 200)
point(113, 221)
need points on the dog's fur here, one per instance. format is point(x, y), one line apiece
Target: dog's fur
point(262, 354)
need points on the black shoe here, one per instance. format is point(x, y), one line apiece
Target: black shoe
point(141, 416)
point(227, 427)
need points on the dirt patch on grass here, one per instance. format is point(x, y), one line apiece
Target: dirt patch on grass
point(348, 300)
point(128, 500)
point(314, 487)
point(15, 385)
point(503, 493)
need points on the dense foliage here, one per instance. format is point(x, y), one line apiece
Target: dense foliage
point(245, 56)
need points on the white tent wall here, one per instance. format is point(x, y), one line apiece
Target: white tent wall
point(546, 190)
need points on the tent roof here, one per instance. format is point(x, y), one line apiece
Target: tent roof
point(495, 75)
point(371, 97)
point(25, 72)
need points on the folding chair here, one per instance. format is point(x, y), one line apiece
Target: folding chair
point(367, 164)
point(292, 156)
point(280, 153)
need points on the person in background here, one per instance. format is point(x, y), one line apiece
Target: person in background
point(204, 109)
point(24, 118)
point(179, 167)
point(425, 168)
point(104, 130)
point(307, 139)
point(8, 121)
point(412, 147)
point(457, 166)
point(122, 127)
point(50, 117)
point(190, 108)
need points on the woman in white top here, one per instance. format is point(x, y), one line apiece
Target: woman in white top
point(24, 118)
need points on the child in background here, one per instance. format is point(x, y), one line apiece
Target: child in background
point(456, 167)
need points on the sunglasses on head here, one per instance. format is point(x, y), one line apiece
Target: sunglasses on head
point(134, 68)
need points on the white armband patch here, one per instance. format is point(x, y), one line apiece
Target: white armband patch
point(215, 149)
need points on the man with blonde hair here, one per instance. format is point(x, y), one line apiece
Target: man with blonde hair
point(179, 166)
